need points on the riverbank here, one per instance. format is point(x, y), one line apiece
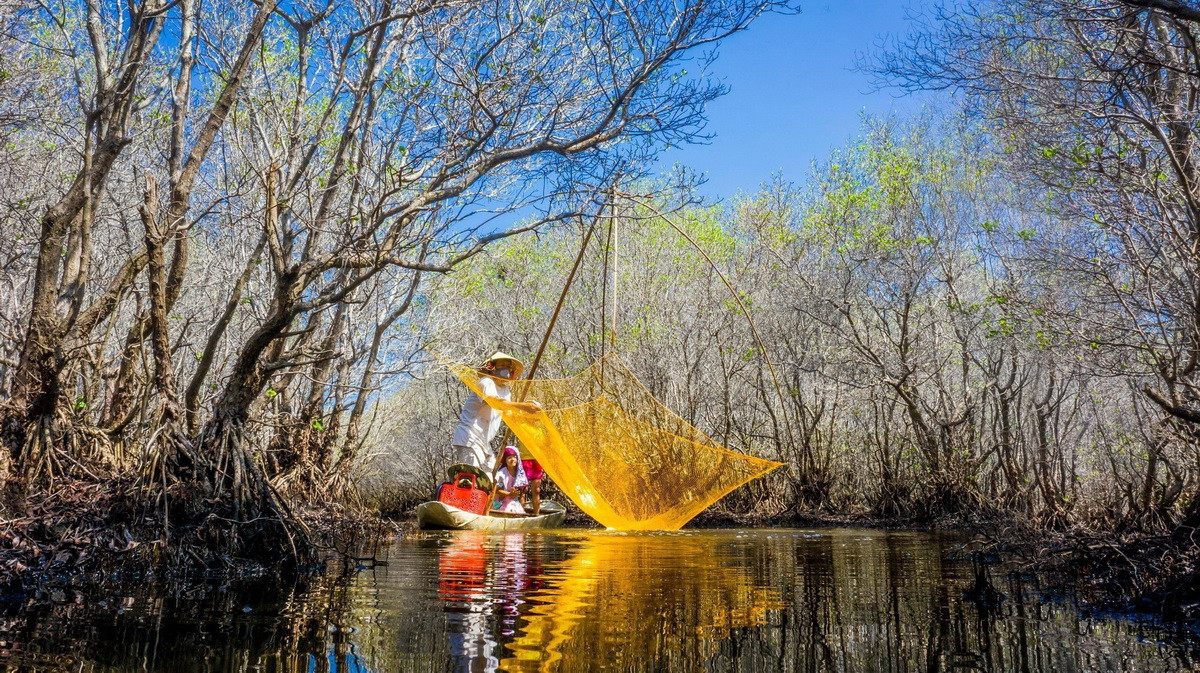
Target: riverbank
point(1157, 575)
point(82, 533)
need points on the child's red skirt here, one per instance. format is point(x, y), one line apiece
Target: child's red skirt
point(533, 469)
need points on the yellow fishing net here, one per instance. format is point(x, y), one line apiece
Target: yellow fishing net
point(617, 452)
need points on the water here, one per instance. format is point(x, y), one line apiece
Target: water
point(760, 600)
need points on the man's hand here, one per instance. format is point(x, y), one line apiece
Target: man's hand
point(530, 407)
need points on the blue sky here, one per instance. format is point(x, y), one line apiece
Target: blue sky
point(794, 93)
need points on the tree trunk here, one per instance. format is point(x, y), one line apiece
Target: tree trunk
point(28, 429)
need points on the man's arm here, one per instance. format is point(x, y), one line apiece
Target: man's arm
point(530, 407)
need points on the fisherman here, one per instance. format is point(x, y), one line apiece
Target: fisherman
point(479, 423)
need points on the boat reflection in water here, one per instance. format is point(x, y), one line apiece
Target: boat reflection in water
point(573, 600)
point(463, 582)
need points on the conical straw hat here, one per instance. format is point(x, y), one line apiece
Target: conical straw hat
point(517, 365)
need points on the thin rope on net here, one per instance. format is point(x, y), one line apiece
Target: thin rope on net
point(625, 459)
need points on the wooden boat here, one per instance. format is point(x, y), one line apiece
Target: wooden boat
point(436, 515)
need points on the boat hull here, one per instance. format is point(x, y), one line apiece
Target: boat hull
point(440, 516)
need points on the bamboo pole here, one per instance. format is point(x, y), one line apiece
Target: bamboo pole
point(615, 242)
point(537, 359)
point(604, 295)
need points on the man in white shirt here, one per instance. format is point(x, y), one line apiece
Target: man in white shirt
point(478, 423)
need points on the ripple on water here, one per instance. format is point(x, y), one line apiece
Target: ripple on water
point(577, 600)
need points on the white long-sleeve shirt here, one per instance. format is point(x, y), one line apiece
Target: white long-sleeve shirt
point(478, 423)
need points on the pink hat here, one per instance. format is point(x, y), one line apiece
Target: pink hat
point(511, 451)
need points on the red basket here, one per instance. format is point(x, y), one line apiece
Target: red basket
point(468, 498)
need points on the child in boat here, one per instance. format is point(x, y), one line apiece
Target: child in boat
point(511, 483)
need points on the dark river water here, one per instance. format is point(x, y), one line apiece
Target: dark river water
point(701, 600)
